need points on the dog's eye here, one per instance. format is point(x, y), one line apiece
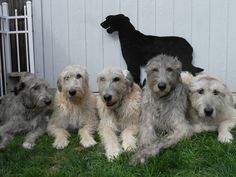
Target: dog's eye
point(169, 69)
point(200, 91)
point(67, 77)
point(116, 79)
point(36, 87)
point(102, 79)
point(216, 92)
point(78, 76)
point(155, 70)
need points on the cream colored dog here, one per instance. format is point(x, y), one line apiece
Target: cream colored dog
point(118, 106)
point(212, 106)
point(75, 108)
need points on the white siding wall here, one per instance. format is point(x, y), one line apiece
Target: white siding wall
point(69, 32)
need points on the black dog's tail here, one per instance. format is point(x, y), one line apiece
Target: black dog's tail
point(192, 69)
point(196, 70)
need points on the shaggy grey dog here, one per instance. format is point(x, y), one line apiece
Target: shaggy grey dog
point(24, 111)
point(164, 106)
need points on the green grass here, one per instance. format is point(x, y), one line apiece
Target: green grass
point(202, 155)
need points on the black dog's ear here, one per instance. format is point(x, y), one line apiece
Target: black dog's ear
point(20, 86)
point(122, 16)
point(59, 85)
point(128, 77)
point(109, 16)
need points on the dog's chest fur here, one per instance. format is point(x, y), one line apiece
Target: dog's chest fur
point(167, 111)
point(73, 115)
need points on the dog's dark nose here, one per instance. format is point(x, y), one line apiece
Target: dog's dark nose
point(72, 92)
point(107, 97)
point(162, 86)
point(208, 111)
point(47, 101)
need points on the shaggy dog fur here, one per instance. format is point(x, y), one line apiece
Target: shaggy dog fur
point(212, 106)
point(24, 111)
point(138, 49)
point(164, 107)
point(118, 105)
point(75, 108)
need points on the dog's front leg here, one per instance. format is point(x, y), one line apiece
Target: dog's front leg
point(224, 135)
point(147, 134)
point(61, 136)
point(32, 136)
point(86, 136)
point(128, 138)
point(134, 70)
point(6, 139)
point(110, 141)
point(15, 125)
point(200, 127)
point(166, 142)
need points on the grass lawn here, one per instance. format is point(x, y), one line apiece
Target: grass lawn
point(202, 155)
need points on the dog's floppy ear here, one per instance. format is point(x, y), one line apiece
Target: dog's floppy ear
point(59, 84)
point(148, 67)
point(178, 65)
point(19, 87)
point(128, 77)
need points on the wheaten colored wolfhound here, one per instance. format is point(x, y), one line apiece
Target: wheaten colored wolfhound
point(212, 106)
point(119, 109)
point(75, 108)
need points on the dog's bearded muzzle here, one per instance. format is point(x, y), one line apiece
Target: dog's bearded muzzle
point(161, 89)
point(43, 101)
point(206, 111)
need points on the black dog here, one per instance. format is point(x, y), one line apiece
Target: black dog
point(138, 49)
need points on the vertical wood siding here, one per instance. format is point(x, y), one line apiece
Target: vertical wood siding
point(69, 32)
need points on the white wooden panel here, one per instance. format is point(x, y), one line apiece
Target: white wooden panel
point(164, 17)
point(38, 38)
point(218, 38)
point(47, 42)
point(147, 17)
point(77, 33)
point(129, 8)
point(231, 57)
point(111, 50)
point(94, 39)
point(182, 19)
point(147, 21)
point(200, 33)
point(59, 10)
point(70, 32)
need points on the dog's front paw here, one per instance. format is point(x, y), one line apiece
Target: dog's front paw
point(28, 145)
point(113, 153)
point(60, 143)
point(2, 146)
point(225, 137)
point(197, 128)
point(130, 144)
point(138, 158)
point(87, 142)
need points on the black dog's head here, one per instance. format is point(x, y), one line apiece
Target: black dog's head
point(116, 23)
